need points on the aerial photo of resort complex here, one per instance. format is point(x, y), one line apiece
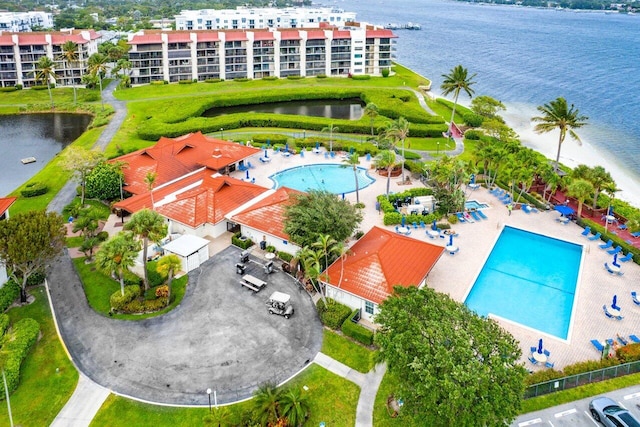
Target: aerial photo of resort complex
point(266, 214)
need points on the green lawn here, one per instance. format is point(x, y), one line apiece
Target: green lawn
point(98, 287)
point(381, 417)
point(348, 352)
point(332, 400)
point(47, 378)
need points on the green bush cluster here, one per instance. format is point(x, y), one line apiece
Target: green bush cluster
point(385, 72)
point(333, 314)
point(23, 335)
point(118, 300)
point(19, 86)
point(285, 256)
point(8, 89)
point(144, 306)
point(460, 109)
point(34, 189)
point(473, 135)
point(244, 244)
point(270, 78)
point(295, 77)
point(361, 77)
point(213, 80)
point(4, 323)
point(414, 166)
point(42, 87)
point(321, 76)
point(357, 332)
point(155, 278)
point(8, 294)
point(132, 279)
point(241, 79)
point(472, 119)
point(271, 138)
point(186, 82)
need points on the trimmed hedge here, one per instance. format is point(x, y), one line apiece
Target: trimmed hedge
point(8, 294)
point(357, 332)
point(8, 89)
point(334, 314)
point(285, 256)
point(4, 323)
point(244, 244)
point(118, 301)
point(22, 337)
point(361, 77)
point(144, 306)
point(34, 189)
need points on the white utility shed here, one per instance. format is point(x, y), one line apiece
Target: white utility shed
point(192, 250)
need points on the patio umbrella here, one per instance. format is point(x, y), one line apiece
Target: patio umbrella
point(404, 220)
point(286, 147)
point(247, 174)
point(614, 304)
point(450, 239)
point(610, 211)
point(434, 226)
point(473, 179)
point(615, 260)
point(302, 153)
point(317, 145)
point(266, 154)
point(268, 143)
point(540, 346)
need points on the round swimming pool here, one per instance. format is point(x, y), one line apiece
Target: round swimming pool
point(334, 178)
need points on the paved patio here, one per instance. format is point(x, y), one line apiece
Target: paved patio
point(456, 274)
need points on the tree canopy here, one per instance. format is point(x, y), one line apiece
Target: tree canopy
point(449, 360)
point(320, 213)
point(29, 241)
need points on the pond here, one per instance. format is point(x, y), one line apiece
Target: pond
point(348, 109)
point(34, 135)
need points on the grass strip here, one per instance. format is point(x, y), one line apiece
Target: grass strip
point(348, 352)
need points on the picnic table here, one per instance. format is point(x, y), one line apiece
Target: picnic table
point(253, 282)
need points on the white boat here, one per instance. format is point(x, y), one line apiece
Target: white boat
point(28, 160)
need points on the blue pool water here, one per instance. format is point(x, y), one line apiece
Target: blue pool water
point(474, 204)
point(330, 177)
point(529, 279)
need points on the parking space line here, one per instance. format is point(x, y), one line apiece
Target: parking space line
point(530, 422)
point(565, 413)
point(591, 418)
point(631, 396)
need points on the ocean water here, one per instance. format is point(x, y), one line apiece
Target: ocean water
point(526, 57)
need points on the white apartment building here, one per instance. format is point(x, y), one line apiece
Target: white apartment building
point(24, 21)
point(230, 54)
point(20, 52)
point(243, 18)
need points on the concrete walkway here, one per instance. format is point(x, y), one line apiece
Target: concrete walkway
point(368, 383)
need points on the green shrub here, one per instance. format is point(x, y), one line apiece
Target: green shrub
point(295, 77)
point(321, 76)
point(473, 119)
point(241, 79)
point(34, 189)
point(39, 87)
point(145, 306)
point(4, 323)
point(37, 278)
point(453, 219)
point(245, 243)
point(155, 278)
point(19, 86)
point(334, 314)
point(132, 279)
point(270, 78)
point(361, 77)
point(8, 89)
point(103, 236)
point(543, 376)
point(157, 83)
point(185, 82)
point(213, 80)
point(90, 97)
point(357, 332)
point(385, 72)
point(22, 337)
point(410, 155)
point(285, 256)
point(8, 294)
point(628, 353)
point(473, 135)
point(118, 300)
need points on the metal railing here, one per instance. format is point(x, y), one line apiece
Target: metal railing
point(578, 380)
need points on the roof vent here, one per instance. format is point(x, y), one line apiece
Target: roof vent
point(216, 153)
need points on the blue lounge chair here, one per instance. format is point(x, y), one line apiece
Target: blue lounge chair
point(634, 338)
point(598, 345)
point(526, 208)
point(613, 269)
point(549, 365)
point(610, 342)
point(622, 227)
point(635, 234)
point(532, 360)
point(332, 155)
point(242, 168)
point(534, 349)
point(595, 236)
point(460, 217)
point(615, 250)
point(622, 340)
point(397, 229)
point(482, 215)
point(626, 258)
point(474, 215)
point(586, 231)
point(546, 353)
point(606, 312)
point(422, 224)
point(634, 296)
point(607, 245)
point(415, 225)
point(326, 154)
point(250, 166)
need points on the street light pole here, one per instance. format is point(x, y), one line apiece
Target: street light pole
point(221, 133)
point(209, 394)
point(438, 149)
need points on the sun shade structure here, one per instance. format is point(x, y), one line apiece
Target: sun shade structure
point(564, 210)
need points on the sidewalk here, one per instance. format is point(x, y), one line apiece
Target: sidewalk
point(84, 404)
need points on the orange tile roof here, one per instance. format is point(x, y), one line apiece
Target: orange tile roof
point(5, 204)
point(233, 36)
point(341, 34)
point(171, 158)
point(208, 37)
point(210, 201)
point(6, 40)
point(59, 39)
point(31, 39)
point(146, 39)
point(290, 35)
point(178, 37)
point(381, 34)
point(263, 35)
point(316, 35)
point(380, 260)
point(268, 214)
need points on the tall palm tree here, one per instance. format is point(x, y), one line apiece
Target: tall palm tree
point(148, 225)
point(310, 260)
point(330, 129)
point(399, 131)
point(97, 66)
point(266, 404)
point(324, 243)
point(600, 179)
point(352, 160)
point(386, 160)
point(117, 255)
point(580, 189)
point(169, 265)
point(371, 111)
point(457, 80)
point(45, 72)
point(294, 407)
point(150, 180)
point(558, 115)
point(69, 57)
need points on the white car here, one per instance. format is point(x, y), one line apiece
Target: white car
point(610, 414)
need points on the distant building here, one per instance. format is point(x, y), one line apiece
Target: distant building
point(243, 18)
point(25, 21)
point(229, 54)
point(20, 52)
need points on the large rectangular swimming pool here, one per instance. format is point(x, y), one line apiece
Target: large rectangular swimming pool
point(529, 279)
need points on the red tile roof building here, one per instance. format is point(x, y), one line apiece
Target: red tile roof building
point(5, 204)
point(380, 260)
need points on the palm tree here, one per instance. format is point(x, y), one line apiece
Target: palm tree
point(386, 160)
point(580, 189)
point(70, 56)
point(45, 73)
point(295, 407)
point(600, 179)
point(150, 180)
point(399, 131)
point(117, 255)
point(267, 402)
point(324, 243)
point(148, 225)
point(558, 115)
point(457, 80)
point(312, 268)
point(331, 129)
point(169, 265)
point(353, 160)
point(371, 111)
point(98, 67)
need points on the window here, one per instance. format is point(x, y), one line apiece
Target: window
point(368, 307)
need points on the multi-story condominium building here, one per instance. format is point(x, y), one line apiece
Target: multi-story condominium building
point(25, 21)
point(231, 54)
point(20, 52)
point(244, 18)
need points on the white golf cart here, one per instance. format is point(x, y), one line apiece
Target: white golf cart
point(278, 303)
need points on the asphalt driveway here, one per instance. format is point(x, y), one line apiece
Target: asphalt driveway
point(220, 337)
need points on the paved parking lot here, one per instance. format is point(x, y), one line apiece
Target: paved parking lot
point(220, 337)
